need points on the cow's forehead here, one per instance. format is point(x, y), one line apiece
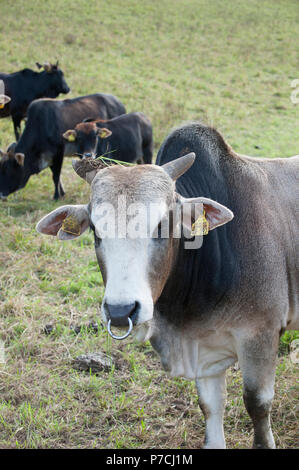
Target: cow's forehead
point(85, 127)
point(140, 183)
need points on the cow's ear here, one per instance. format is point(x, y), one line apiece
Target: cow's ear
point(70, 135)
point(20, 157)
point(39, 66)
point(67, 222)
point(4, 99)
point(206, 214)
point(2, 153)
point(103, 133)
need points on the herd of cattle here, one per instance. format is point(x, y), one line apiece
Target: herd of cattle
point(202, 309)
point(88, 125)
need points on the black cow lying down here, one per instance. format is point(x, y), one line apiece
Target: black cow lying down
point(26, 85)
point(128, 138)
point(42, 144)
point(204, 308)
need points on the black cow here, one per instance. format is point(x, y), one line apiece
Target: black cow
point(26, 85)
point(42, 144)
point(128, 138)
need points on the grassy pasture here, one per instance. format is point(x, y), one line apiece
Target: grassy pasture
point(228, 63)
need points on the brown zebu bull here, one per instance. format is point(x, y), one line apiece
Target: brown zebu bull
point(203, 309)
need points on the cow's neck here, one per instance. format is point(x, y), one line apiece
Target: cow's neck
point(196, 303)
point(37, 85)
point(200, 280)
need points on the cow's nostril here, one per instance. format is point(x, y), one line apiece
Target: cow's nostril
point(119, 313)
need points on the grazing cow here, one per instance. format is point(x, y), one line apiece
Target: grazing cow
point(42, 145)
point(26, 85)
point(205, 308)
point(4, 99)
point(128, 138)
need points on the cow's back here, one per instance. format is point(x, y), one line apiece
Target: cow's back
point(96, 106)
point(110, 106)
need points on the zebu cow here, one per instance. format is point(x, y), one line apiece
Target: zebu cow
point(203, 309)
point(128, 137)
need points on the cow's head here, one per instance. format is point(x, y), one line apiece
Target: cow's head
point(56, 83)
point(84, 138)
point(4, 99)
point(11, 171)
point(136, 260)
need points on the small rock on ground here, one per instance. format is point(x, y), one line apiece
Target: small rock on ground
point(96, 362)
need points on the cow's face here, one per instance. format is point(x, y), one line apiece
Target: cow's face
point(55, 78)
point(11, 171)
point(58, 83)
point(127, 209)
point(84, 138)
point(131, 202)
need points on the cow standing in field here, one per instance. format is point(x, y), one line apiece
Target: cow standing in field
point(42, 144)
point(205, 308)
point(128, 138)
point(26, 85)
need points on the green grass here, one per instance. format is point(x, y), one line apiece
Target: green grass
point(227, 63)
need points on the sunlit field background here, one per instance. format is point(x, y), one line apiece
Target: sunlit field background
point(229, 64)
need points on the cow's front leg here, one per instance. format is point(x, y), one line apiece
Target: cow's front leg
point(61, 189)
point(16, 118)
point(257, 362)
point(212, 398)
point(56, 170)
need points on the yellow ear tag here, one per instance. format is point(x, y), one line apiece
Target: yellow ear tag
point(200, 226)
point(1, 105)
point(71, 138)
point(71, 225)
point(103, 134)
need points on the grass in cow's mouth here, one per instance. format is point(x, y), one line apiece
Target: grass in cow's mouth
point(107, 160)
point(176, 61)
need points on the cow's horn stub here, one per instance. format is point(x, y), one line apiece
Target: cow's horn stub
point(87, 168)
point(178, 167)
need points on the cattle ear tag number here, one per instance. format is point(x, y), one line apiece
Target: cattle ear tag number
point(200, 226)
point(71, 225)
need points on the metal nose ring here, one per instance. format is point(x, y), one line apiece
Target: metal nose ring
point(125, 335)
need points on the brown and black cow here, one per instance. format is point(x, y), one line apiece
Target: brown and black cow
point(219, 286)
point(128, 138)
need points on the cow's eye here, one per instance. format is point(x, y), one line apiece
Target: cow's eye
point(97, 240)
point(159, 234)
point(159, 230)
